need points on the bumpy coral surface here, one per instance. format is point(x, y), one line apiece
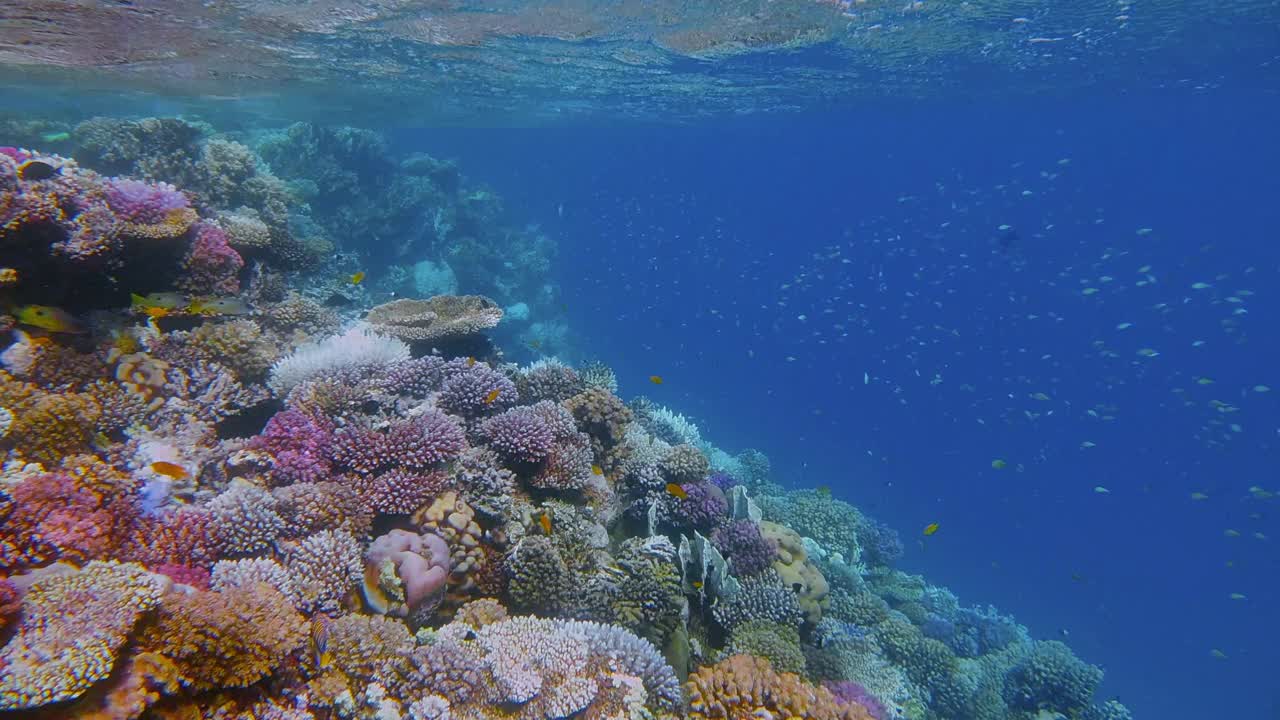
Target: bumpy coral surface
point(745, 686)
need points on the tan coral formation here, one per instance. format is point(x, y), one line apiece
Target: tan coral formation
point(438, 318)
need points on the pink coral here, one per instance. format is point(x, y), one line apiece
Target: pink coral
point(297, 444)
point(520, 434)
point(144, 203)
point(55, 517)
point(480, 390)
point(419, 443)
point(421, 564)
point(211, 264)
point(399, 492)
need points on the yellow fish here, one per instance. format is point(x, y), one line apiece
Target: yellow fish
point(999, 464)
point(48, 318)
point(170, 470)
point(219, 306)
point(544, 521)
point(357, 278)
point(471, 362)
point(823, 490)
point(930, 529)
point(597, 470)
point(697, 584)
point(676, 491)
point(493, 395)
point(157, 301)
point(655, 379)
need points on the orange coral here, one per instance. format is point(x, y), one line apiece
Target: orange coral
point(136, 685)
point(220, 640)
point(54, 425)
point(746, 687)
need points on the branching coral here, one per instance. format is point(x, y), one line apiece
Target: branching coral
point(480, 390)
point(298, 446)
point(419, 443)
point(50, 517)
point(548, 380)
point(747, 550)
point(1051, 677)
point(601, 415)
point(325, 568)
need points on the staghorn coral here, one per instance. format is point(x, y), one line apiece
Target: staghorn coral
point(221, 640)
point(73, 622)
point(742, 687)
point(440, 318)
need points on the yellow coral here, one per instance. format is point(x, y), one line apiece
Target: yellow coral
point(453, 519)
point(746, 687)
point(797, 572)
point(239, 345)
point(54, 425)
point(174, 225)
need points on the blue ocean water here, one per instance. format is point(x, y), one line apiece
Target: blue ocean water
point(836, 289)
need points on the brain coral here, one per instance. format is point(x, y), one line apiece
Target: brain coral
point(72, 625)
point(745, 687)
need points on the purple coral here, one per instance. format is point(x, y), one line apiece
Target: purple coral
point(703, 507)
point(480, 390)
point(520, 434)
point(211, 264)
point(142, 202)
point(416, 444)
point(421, 564)
point(419, 377)
point(747, 549)
point(567, 467)
point(850, 692)
point(297, 443)
point(722, 480)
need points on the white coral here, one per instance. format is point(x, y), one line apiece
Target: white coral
point(357, 348)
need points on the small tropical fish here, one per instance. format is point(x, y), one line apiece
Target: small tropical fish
point(697, 584)
point(170, 470)
point(1204, 381)
point(319, 642)
point(535, 344)
point(52, 137)
point(471, 362)
point(219, 306)
point(1231, 533)
point(1259, 536)
point(676, 491)
point(493, 395)
point(1148, 352)
point(1238, 596)
point(1261, 388)
point(1088, 444)
point(1199, 496)
point(48, 318)
point(597, 470)
point(1200, 286)
point(1101, 490)
point(930, 529)
point(157, 301)
point(33, 170)
point(999, 464)
point(823, 490)
point(1217, 654)
point(1260, 493)
point(357, 278)
point(544, 521)
point(655, 379)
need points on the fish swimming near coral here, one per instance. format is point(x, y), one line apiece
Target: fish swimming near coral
point(33, 170)
point(170, 470)
point(219, 306)
point(597, 470)
point(357, 278)
point(930, 529)
point(492, 396)
point(676, 491)
point(544, 521)
point(157, 301)
point(47, 317)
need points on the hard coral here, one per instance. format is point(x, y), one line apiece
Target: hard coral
point(601, 415)
point(298, 445)
point(436, 319)
point(325, 569)
point(211, 265)
point(72, 625)
point(480, 390)
point(220, 640)
point(796, 572)
point(744, 687)
point(419, 443)
point(748, 551)
point(405, 573)
point(55, 516)
point(520, 434)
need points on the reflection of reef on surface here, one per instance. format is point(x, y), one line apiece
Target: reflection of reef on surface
point(221, 497)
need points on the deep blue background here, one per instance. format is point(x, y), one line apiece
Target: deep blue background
point(659, 226)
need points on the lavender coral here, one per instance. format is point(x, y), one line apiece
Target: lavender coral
point(480, 390)
point(747, 550)
point(520, 435)
point(297, 445)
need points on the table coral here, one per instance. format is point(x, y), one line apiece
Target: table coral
point(744, 687)
point(435, 319)
point(71, 628)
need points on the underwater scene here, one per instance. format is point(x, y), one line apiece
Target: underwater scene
point(639, 360)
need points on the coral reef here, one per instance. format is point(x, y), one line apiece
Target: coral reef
point(226, 497)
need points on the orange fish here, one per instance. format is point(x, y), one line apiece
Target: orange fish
point(156, 313)
point(545, 522)
point(493, 395)
point(597, 470)
point(170, 470)
point(655, 379)
point(677, 491)
point(471, 362)
point(697, 584)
